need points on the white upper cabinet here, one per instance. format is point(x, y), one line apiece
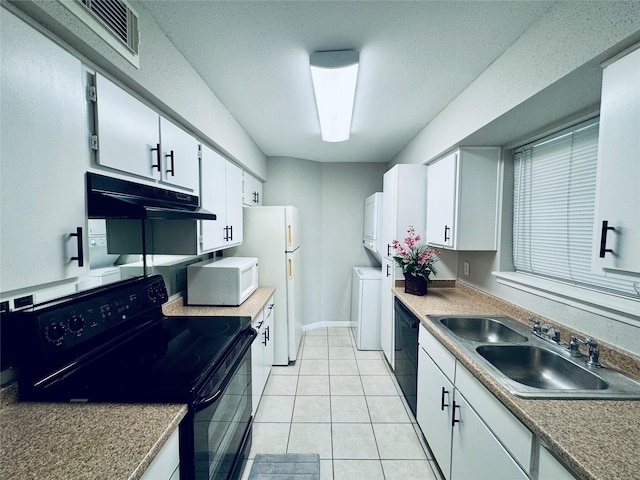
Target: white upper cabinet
point(251, 190)
point(462, 199)
point(128, 131)
point(43, 233)
point(617, 219)
point(179, 156)
point(221, 193)
point(403, 204)
point(131, 137)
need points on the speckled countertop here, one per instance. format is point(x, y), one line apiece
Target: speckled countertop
point(251, 307)
point(68, 441)
point(598, 440)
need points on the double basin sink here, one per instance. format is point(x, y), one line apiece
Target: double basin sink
point(529, 366)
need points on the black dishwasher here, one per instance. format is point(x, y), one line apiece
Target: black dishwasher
point(406, 364)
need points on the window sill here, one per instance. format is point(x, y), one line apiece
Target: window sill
point(619, 308)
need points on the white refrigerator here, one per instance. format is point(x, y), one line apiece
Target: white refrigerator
point(272, 235)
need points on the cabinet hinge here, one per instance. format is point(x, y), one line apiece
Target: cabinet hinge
point(93, 142)
point(93, 94)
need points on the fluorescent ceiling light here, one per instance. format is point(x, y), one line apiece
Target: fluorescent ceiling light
point(334, 76)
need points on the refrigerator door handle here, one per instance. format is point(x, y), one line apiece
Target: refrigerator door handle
point(289, 236)
point(290, 273)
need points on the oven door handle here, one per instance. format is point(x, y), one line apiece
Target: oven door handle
point(203, 403)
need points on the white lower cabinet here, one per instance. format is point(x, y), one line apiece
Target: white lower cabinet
point(465, 426)
point(386, 311)
point(261, 353)
point(166, 464)
point(433, 411)
point(551, 468)
point(475, 451)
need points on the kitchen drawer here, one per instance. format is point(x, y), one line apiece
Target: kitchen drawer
point(440, 355)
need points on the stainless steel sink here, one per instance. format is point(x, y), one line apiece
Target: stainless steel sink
point(482, 329)
point(540, 368)
point(528, 366)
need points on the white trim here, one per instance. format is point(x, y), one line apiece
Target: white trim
point(314, 326)
point(624, 310)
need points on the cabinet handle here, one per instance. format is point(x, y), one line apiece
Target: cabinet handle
point(230, 232)
point(446, 233)
point(388, 250)
point(80, 257)
point(170, 170)
point(157, 150)
point(264, 338)
point(257, 197)
point(603, 238)
point(267, 333)
point(388, 272)
point(442, 404)
point(453, 417)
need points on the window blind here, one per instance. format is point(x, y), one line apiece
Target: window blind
point(553, 209)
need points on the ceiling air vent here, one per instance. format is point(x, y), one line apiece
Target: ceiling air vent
point(113, 20)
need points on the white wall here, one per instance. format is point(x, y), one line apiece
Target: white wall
point(568, 36)
point(165, 78)
point(330, 197)
point(549, 51)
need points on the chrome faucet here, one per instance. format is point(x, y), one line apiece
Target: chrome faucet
point(594, 350)
point(546, 331)
point(594, 353)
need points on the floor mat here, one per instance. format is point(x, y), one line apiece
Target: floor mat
point(288, 466)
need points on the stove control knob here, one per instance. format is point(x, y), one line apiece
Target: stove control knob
point(76, 324)
point(55, 333)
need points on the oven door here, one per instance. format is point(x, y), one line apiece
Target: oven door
point(216, 435)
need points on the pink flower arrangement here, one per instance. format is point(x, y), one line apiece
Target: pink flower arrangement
point(415, 259)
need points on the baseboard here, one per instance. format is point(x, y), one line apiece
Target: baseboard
point(314, 326)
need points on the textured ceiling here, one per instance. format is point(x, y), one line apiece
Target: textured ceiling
point(416, 57)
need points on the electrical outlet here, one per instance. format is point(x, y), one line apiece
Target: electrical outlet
point(466, 267)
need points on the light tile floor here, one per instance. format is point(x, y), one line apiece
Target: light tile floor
point(345, 405)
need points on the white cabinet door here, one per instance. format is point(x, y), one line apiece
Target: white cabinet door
point(462, 199)
point(166, 462)
point(441, 185)
point(179, 156)
point(43, 161)
point(551, 468)
point(220, 193)
point(128, 132)
point(251, 190)
point(268, 314)
point(234, 205)
point(434, 407)
point(258, 379)
point(403, 204)
point(475, 452)
point(213, 199)
point(387, 333)
point(618, 179)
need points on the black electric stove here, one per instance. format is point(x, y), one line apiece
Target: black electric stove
point(113, 344)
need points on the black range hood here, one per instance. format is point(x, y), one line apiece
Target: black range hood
point(109, 197)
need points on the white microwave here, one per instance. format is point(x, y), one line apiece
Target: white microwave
point(226, 281)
